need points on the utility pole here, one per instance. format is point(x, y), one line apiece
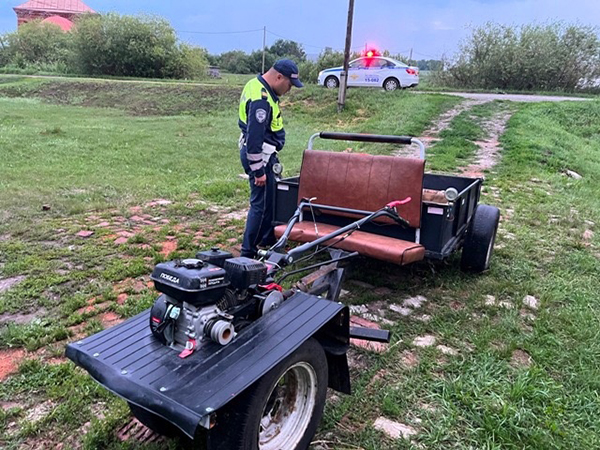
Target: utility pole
point(264, 47)
point(344, 74)
point(410, 57)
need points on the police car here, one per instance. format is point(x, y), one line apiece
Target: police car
point(376, 71)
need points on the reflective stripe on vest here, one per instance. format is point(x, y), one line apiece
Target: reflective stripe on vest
point(255, 90)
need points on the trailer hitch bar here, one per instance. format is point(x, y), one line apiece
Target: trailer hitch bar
point(370, 334)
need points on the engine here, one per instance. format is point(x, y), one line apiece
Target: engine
point(206, 298)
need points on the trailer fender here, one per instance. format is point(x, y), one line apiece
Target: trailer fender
point(130, 362)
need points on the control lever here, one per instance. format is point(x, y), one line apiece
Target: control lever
point(391, 207)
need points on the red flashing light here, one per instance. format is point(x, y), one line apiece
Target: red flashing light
point(371, 53)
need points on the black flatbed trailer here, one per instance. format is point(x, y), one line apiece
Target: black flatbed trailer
point(264, 388)
point(128, 360)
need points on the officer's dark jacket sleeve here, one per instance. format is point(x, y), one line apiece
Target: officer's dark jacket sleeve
point(259, 116)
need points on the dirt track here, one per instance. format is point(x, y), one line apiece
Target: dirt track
point(484, 97)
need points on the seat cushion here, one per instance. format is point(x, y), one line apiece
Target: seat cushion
point(375, 246)
point(363, 182)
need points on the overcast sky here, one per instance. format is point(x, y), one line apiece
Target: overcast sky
point(430, 27)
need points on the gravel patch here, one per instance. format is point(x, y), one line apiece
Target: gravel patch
point(395, 430)
point(531, 302)
point(7, 283)
point(424, 341)
point(414, 302)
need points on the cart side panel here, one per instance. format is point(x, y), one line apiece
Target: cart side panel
point(444, 224)
point(286, 200)
point(466, 204)
point(435, 227)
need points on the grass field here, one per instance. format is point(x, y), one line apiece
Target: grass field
point(153, 169)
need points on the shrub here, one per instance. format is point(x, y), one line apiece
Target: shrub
point(35, 43)
point(190, 63)
point(143, 46)
point(235, 61)
point(328, 58)
point(553, 57)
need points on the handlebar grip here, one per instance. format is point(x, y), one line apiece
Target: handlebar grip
point(399, 202)
point(359, 137)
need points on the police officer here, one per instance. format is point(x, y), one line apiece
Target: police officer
point(261, 138)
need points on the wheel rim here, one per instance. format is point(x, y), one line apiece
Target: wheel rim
point(289, 408)
point(391, 85)
point(331, 83)
point(488, 255)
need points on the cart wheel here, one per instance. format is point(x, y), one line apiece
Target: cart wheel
point(479, 241)
point(154, 422)
point(281, 410)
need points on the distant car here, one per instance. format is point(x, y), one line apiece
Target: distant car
point(377, 71)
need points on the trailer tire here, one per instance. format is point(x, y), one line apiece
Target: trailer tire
point(281, 410)
point(479, 240)
point(154, 422)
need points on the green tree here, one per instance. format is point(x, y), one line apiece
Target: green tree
point(283, 48)
point(235, 61)
point(213, 60)
point(5, 51)
point(35, 44)
point(255, 60)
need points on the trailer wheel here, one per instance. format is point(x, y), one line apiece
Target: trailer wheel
point(154, 422)
point(480, 238)
point(281, 410)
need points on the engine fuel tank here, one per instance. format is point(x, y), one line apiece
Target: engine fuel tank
point(191, 280)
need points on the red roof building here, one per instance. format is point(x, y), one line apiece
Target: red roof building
point(52, 10)
point(64, 24)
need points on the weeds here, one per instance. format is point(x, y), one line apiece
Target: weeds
point(519, 378)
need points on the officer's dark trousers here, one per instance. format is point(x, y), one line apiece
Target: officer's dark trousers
point(259, 230)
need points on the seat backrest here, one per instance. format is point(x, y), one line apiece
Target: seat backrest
point(363, 182)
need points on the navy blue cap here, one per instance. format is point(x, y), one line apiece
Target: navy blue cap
point(288, 68)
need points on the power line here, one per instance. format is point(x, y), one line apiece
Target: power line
point(308, 45)
point(393, 52)
point(221, 32)
point(321, 47)
point(428, 56)
point(288, 39)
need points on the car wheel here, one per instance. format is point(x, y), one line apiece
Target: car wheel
point(391, 84)
point(154, 422)
point(331, 82)
point(480, 238)
point(281, 410)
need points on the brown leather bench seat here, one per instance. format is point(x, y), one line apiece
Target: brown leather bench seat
point(372, 245)
point(365, 183)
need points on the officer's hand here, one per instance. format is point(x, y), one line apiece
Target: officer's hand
point(260, 181)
